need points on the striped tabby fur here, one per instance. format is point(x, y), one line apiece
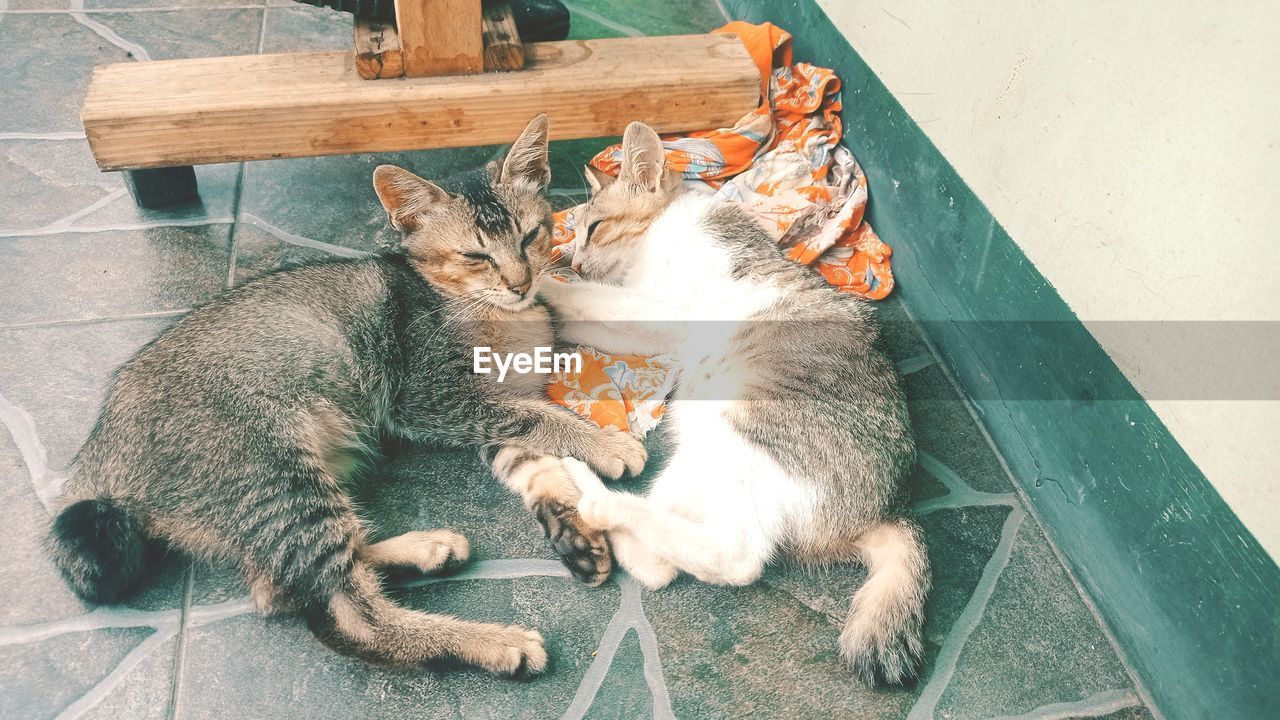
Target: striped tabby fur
point(234, 434)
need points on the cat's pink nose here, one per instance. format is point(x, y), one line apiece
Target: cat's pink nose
point(521, 288)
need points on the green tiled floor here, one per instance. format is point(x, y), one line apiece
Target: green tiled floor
point(86, 278)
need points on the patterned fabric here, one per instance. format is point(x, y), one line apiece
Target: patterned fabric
point(782, 163)
point(625, 391)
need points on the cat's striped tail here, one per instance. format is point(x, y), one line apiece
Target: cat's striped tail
point(542, 481)
point(881, 640)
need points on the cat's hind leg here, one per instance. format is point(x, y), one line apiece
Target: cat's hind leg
point(724, 555)
point(359, 619)
point(305, 548)
point(425, 551)
point(319, 570)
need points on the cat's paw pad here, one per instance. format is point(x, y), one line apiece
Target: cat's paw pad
point(582, 548)
point(617, 453)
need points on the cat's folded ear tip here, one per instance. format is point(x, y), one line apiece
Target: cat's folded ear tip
point(386, 172)
point(539, 124)
point(638, 128)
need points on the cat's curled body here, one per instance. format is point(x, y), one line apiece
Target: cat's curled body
point(233, 435)
point(791, 432)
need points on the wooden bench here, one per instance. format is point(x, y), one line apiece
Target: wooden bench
point(157, 119)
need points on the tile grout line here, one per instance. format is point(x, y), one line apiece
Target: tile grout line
point(1096, 705)
point(913, 365)
point(262, 29)
point(593, 678)
point(723, 11)
point(653, 673)
point(180, 654)
point(1029, 507)
point(136, 51)
point(233, 239)
point(66, 222)
point(40, 324)
point(233, 250)
point(300, 241)
point(49, 136)
point(944, 666)
point(496, 569)
point(125, 227)
point(597, 17)
point(99, 692)
point(121, 10)
point(45, 482)
point(629, 616)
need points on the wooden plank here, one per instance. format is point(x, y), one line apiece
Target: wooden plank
point(502, 48)
point(377, 49)
point(254, 107)
point(378, 53)
point(440, 37)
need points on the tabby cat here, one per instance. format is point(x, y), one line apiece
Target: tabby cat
point(232, 435)
point(791, 432)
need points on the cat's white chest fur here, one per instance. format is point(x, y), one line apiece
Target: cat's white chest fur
point(680, 297)
point(689, 273)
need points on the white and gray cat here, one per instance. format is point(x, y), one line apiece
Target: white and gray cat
point(792, 433)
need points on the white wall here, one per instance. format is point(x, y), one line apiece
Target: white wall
point(1130, 149)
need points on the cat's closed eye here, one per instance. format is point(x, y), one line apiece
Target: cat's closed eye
point(478, 258)
point(529, 237)
point(591, 229)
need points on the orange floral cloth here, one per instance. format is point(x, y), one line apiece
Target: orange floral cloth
point(782, 162)
point(625, 391)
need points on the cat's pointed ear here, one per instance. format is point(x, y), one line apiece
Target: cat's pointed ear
point(598, 179)
point(644, 162)
point(527, 158)
point(406, 196)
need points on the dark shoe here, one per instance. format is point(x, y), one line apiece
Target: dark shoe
point(537, 20)
point(541, 20)
point(367, 9)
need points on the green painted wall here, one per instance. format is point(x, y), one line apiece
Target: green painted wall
point(1191, 597)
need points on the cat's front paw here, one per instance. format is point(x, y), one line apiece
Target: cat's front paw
point(613, 453)
point(559, 295)
point(598, 507)
point(599, 510)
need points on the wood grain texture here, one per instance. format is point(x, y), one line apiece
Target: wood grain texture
point(378, 52)
point(255, 107)
point(502, 47)
point(440, 37)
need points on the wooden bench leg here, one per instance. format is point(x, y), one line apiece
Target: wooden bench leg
point(161, 187)
point(440, 37)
